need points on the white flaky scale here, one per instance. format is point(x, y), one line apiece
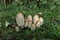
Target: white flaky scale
point(35, 19)
point(25, 22)
point(29, 21)
point(20, 19)
point(33, 27)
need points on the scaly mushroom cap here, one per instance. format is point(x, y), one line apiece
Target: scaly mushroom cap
point(20, 19)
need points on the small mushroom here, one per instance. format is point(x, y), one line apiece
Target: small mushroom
point(39, 22)
point(35, 19)
point(25, 22)
point(29, 21)
point(29, 24)
point(20, 20)
point(33, 27)
point(17, 28)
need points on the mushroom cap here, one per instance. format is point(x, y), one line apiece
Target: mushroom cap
point(29, 17)
point(20, 19)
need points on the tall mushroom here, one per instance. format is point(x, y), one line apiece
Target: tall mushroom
point(20, 20)
point(29, 21)
point(41, 20)
point(35, 19)
point(25, 22)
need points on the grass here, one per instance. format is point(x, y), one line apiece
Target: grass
point(50, 30)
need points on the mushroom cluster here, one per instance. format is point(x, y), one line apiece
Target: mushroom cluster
point(30, 22)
